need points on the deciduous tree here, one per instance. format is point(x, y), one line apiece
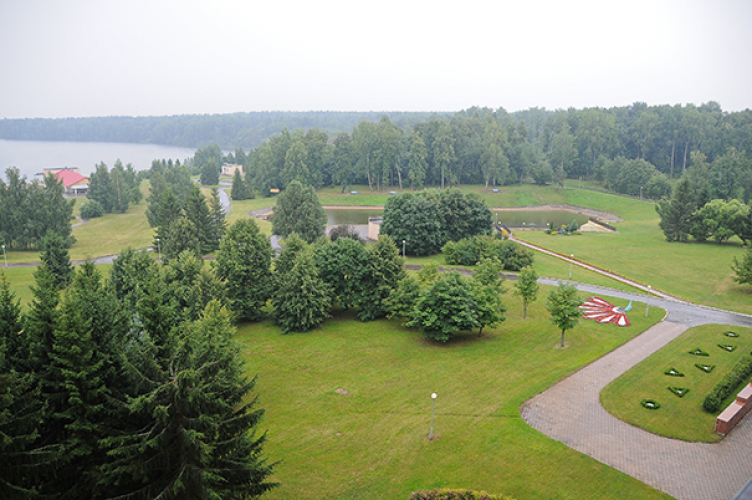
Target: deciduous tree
point(563, 304)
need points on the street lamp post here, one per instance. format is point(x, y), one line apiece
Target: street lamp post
point(640, 193)
point(433, 407)
point(5, 257)
point(159, 249)
point(647, 302)
point(571, 261)
point(403, 248)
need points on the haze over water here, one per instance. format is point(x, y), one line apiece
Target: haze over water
point(30, 157)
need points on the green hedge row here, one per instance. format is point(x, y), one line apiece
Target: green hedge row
point(449, 494)
point(729, 383)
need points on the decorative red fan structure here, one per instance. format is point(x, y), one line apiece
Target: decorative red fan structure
point(597, 309)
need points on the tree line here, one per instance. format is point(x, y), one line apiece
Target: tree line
point(632, 150)
point(32, 209)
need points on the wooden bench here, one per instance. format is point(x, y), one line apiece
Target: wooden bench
point(735, 411)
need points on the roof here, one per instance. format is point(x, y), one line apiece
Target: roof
point(68, 178)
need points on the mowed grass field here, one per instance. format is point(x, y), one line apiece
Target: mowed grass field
point(681, 418)
point(348, 408)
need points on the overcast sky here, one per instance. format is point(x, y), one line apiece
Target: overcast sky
point(136, 58)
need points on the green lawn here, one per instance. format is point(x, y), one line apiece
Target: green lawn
point(681, 418)
point(371, 442)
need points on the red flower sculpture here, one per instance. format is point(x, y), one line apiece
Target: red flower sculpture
point(604, 312)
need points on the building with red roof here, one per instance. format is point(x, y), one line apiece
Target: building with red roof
point(74, 182)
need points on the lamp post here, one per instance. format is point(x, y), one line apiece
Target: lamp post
point(647, 302)
point(640, 193)
point(403, 248)
point(571, 261)
point(5, 257)
point(433, 407)
point(159, 249)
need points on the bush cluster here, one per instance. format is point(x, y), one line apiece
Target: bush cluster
point(449, 494)
point(650, 404)
point(728, 384)
point(470, 251)
point(91, 209)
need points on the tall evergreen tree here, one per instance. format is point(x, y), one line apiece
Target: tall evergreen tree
point(298, 210)
point(676, 213)
point(55, 257)
point(197, 211)
point(217, 213)
point(302, 299)
point(386, 272)
point(239, 187)
point(244, 262)
point(198, 437)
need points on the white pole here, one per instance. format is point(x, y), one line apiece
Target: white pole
point(647, 302)
point(5, 257)
point(570, 265)
point(433, 407)
point(403, 248)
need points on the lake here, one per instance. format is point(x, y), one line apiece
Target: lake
point(30, 157)
point(515, 218)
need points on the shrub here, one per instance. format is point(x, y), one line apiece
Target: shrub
point(727, 347)
point(699, 352)
point(673, 372)
point(728, 385)
point(470, 251)
point(679, 391)
point(650, 404)
point(705, 368)
point(91, 209)
point(449, 494)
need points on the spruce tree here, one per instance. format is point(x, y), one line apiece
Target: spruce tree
point(386, 271)
point(302, 299)
point(244, 261)
point(197, 439)
point(197, 211)
point(219, 224)
point(239, 188)
point(10, 326)
point(676, 213)
point(55, 257)
point(298, 210)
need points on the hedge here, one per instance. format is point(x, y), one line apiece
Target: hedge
point(728, 385)
point(449, 494)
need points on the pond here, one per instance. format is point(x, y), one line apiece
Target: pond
point(537, 219)
point(531, 219)
point(350, 216)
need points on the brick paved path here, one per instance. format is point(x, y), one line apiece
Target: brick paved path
point(571, 412)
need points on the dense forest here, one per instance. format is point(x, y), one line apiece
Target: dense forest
point(634, 150)
point(233, 130)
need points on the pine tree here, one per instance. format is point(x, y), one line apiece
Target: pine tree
point(10, 326)
point(244, 261)
point(219, 225)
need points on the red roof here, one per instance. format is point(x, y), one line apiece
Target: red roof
point(68, 177)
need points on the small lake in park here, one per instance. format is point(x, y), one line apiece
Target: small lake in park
point(537, 219)
point(516, 218)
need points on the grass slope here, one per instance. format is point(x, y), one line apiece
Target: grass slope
point(681, 418)
point(372, 441)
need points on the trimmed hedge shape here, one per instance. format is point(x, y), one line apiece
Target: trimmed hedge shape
point(650, 404)
point(705, 368)
point(679, 391)
point(727, 347)
point(673, 372)
point(728, 385)
point(731, 334)
point(449, 494)
point(699, 352)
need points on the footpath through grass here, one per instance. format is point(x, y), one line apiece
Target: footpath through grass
point(678, 417)
point(348, 408)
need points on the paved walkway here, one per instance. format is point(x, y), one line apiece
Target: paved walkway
point(571, 412)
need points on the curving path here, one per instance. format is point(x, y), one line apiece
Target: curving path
point(571, 412)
